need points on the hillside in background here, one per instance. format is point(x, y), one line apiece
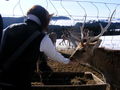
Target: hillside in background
point(10, 20)
point(94, 26)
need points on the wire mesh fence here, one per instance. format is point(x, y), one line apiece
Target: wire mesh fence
point(75, 9)
point(67, 12)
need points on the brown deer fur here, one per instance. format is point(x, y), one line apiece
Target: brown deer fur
point(105, 60)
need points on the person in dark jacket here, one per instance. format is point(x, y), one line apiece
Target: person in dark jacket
point(17, 59)
point(1, 27)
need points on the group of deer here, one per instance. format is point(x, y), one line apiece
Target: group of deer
point(70, 38)
point(105, 60)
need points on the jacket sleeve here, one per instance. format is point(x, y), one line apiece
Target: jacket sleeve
point(1, 27)
point(48, 48)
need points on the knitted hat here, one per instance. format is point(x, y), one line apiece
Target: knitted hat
point(41, 13)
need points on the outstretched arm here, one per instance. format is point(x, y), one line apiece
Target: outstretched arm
point(49, 49)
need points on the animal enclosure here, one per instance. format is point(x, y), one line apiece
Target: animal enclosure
point(70, 80)
point(72, 13)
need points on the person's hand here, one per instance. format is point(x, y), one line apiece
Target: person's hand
point(72, 61)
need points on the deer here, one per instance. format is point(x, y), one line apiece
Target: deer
point(72, 37)
point(66, 36)
point(107, 61)
point(53, 37)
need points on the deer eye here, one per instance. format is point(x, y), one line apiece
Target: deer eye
point(83, 50)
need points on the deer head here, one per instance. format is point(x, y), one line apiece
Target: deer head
point(85, 50)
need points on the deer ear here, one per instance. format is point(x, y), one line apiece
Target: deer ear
point(97, 44)
point(50, 15)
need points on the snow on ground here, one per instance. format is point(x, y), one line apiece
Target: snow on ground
point(111, 42)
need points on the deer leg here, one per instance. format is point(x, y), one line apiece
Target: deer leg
point(61, 42)
point(73, 42)
point(65, 42)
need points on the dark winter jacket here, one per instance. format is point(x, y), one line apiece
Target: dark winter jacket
point(20, 72)
point(1, 27)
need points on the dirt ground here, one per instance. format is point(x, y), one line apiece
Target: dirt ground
point(77, 67)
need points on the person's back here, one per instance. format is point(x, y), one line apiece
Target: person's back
point(14, 37)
